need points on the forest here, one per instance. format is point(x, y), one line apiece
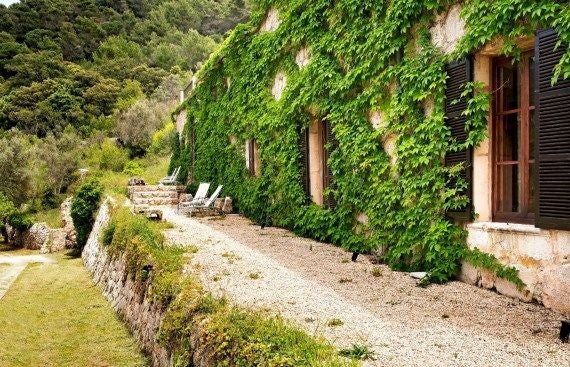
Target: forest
point(92, 83)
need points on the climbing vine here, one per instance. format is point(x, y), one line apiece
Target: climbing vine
point(365, 56)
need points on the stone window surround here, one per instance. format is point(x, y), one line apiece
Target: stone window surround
point(316, 152)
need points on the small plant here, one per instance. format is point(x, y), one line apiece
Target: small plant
point(345, 260)
point(231, 257)
point(83, 208)
point(335, 322)
point(191, 249)
point(359, 352)
point(377, 272)
point(345, 280)
point(254, 276)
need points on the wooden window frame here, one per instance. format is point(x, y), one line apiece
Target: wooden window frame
point(526, 215)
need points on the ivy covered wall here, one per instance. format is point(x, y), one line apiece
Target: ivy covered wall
point(362, 59)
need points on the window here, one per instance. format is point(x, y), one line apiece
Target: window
point(513, 140)
point(253, 159)
point(320, 177)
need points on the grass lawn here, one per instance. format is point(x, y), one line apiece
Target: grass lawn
point(53, 315)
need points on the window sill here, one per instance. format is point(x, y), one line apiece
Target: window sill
point(505, 227)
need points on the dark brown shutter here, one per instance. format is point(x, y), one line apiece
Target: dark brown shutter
point(328, 178)
point(304, 148)
point(552, 135)
point(458, 75)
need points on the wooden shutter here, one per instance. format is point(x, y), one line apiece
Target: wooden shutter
point(304, 148)
point(328, 179)
point(458, 74)
point(553, 136)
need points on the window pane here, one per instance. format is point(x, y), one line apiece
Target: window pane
point(508, 138)
point(509, 83)
point(509, 183)
point(531, 189)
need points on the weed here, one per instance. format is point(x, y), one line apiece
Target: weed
point(345, 280)
point(377, 272)
point(359, 352)
point(254, 276)
point(335, 322)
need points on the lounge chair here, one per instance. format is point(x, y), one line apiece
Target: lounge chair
point(198, 199)
point(170, 180)
point(209, 204)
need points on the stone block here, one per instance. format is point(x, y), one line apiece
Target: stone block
point(469, 274)
point(227, 207)
point(556, 288)
point(487, 279)
point(509, 289)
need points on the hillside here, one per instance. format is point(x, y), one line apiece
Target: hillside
point(90, 84)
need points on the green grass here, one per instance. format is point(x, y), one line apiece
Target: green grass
point(53, 315)
point(52, 217)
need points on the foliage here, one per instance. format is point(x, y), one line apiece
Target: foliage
point(162, 139)
point(112, 157)
point(73, 62)
point(366, 57)
point(133, 168)
point(83, 209)
point(230, 335)
point(14, 172)
point(360, 352)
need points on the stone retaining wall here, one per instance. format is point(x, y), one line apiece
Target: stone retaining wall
point(155, 194)
point(127, 297)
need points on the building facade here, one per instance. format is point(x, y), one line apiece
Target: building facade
point(415, 131)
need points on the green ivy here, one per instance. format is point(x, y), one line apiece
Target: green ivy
point(83, 209)
point(365, 55)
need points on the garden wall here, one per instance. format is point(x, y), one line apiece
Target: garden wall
point(127, 297)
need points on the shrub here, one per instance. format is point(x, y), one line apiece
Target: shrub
point(83, 208)
point(133, 168)
point(112, 157)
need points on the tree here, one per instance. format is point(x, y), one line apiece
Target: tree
point(136, 126)
point(60, 159)
point(14, 172)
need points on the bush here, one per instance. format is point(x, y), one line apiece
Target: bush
point(162, 139)
point(112, 157)
point(133, 168)
point(83, 208)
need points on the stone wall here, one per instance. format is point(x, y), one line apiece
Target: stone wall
point(541, 256)
point(127, 297)
point(155, 194)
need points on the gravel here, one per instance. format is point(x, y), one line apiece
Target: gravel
point(312, 283)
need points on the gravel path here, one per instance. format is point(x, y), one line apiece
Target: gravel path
point(314, 285)
point(12, 266)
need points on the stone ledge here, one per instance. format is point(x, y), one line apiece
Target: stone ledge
point(505, 227)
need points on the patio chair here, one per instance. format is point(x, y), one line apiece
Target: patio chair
point(198, 199)
point(169, 180)
point(209, 204)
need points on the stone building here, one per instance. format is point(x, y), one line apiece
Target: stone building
point(518, 176)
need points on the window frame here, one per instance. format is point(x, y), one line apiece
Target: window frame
point(526, 215)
